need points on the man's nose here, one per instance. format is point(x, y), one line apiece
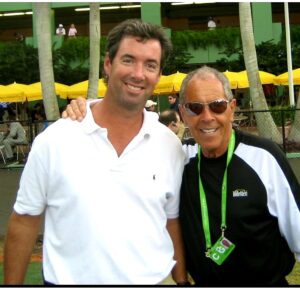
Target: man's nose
point(206, 113)
point(139, 71)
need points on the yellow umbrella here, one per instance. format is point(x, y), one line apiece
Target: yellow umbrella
point(25, 88)
point(19, 86)
point(265, 78)
point(169, 83)
point(34, 91)
point(232, 77)
point(81, 89)
point(162, 86)
point(283, 79)
point(10, 94)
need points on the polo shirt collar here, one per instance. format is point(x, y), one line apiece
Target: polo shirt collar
point(89, 124)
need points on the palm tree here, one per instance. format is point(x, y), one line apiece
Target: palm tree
point(43, 29)
point(94, 50)
point(294, 134)
point(264, 120)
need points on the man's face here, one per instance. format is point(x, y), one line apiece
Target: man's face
point(209, 129)
point(152, 108)
point(171, 99)
point(175, 126)
point(134, 72)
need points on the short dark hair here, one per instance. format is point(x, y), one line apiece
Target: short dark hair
point(167, 116)
point(143, 30)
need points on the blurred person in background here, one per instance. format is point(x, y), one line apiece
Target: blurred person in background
point(150, 105)
point(61, 31)
point(15, 135)
point(171, 119)
point(72, 31)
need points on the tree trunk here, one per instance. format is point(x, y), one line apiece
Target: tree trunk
point(44, 41)
point(94, 50)
point(294, 134)
point(265, 123)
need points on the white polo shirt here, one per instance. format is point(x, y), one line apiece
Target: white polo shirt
point(105, 220)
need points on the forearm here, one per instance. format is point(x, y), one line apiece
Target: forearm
point(12, 132)
point(179, 273)
point(20, 239)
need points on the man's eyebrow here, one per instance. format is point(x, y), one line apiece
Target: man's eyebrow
point(127, 55)
point(153, 60)
point(148, 60)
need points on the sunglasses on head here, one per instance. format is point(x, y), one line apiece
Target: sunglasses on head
point(216, 106)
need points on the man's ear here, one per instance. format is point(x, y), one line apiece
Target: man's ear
point(106, 64)
point(182, 112)
point(233, 104)
point(232, 107)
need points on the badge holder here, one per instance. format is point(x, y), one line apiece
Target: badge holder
point(220, 251)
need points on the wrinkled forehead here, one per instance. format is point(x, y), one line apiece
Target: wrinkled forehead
point(204, 89)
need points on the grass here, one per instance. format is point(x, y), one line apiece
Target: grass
point(33, 276)
point(294, 277)
point(34, 270)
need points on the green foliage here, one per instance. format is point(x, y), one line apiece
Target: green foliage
point(283, 114)
point(271, 56)
point(231, 65)
point(74, 49)
point(221, 37)
point(19, 63)
point(71, 60)
point(177, 59)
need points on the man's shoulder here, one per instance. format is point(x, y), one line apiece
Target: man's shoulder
point(62, 129)
point(259, 146)
point(258, 142)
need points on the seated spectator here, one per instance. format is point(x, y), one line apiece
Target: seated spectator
point(15, 135)
point(40, 121)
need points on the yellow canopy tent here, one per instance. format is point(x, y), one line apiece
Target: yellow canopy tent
point(18, 86)
point(34, 91)
point(169, 83)
point(265, 78)
point(283, 79)
point(10, 94)
point(232, 77)
point(172, 83)
point(81, 89)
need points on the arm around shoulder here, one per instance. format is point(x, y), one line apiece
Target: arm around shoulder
point(76, 110)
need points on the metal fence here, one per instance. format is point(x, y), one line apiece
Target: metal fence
point(284, 119)
point(244, 120)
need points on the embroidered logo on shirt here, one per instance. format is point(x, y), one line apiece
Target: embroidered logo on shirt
point(240, 193)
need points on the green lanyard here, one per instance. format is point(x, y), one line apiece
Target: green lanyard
point(203, 203)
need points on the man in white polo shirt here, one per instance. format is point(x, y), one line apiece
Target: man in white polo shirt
point(111, 208)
